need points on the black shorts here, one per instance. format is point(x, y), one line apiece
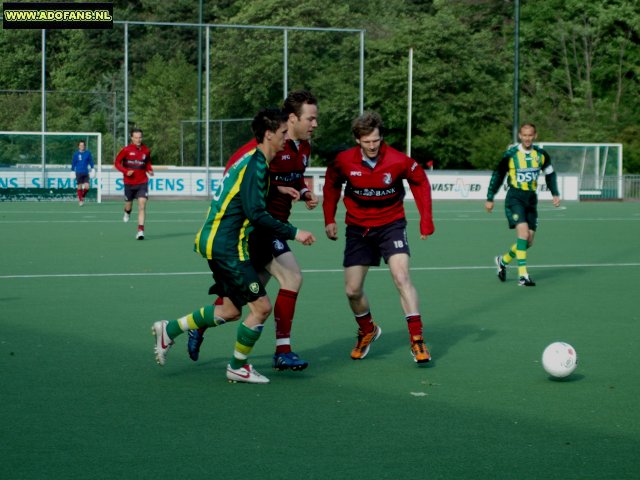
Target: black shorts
point(521, 207)
point(264, 247)
point(82, 178)
point(366, 246)
point(139, 190)
point(236, 280)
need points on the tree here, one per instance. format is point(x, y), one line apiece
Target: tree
point(163, 97)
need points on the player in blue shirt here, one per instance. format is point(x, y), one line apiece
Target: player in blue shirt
point(82, 165)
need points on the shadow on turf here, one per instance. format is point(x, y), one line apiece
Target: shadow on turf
point(329, 356)
point(164, 236)
point(570, 379)
point(9, 299)
point(541, 275)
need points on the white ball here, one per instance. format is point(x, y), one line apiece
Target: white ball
point(559, 359)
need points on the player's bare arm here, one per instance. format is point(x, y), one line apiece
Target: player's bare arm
point(310, 200)
point(292, 192)
point(488, 206)
point(304, 237)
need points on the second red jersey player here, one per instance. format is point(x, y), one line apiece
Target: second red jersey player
point(271, 255)
point(285, 170)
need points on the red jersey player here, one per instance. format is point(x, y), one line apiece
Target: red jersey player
point(376, 225)
point(271, 256)
point(134, 161)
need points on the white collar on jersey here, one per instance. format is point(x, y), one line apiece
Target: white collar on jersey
point(523, 150)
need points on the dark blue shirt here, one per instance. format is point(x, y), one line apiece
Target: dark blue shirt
point(82, 161)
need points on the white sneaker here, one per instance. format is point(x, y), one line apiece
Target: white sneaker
point(125, 219)
point(163, 342)
point(245, 374)
point(81, 203)
point(140, 235)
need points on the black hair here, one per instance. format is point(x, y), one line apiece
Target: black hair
point(296, 99)
point(268, 119)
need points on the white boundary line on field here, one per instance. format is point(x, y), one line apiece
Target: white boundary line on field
point(326, 270)
point(93, 219)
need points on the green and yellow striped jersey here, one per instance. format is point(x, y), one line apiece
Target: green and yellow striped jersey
point(237, 205)
point(523, 168)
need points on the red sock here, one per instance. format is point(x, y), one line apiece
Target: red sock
point(283, 311)
point(141, 228)
point(80, 194)
point(365, 322)
point(414, 323)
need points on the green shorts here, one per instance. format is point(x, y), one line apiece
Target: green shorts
point(521, 206)
point(236, 280)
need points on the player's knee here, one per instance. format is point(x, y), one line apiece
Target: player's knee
point(262, 308)
point(401, 279)
point(228, 312)
point(353, 293)
point(293, 282)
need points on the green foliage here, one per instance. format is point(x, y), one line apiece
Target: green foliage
point(20, 59)
point(630, 138)
point(163, 96)
point(579, 72)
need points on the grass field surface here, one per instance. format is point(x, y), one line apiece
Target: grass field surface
point(81, 396)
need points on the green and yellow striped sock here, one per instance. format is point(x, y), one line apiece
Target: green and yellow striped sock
point(203, 317)
point(508, 257)
point(521, 255)
point(246, 339)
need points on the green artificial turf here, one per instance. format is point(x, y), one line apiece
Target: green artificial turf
point(81, 395)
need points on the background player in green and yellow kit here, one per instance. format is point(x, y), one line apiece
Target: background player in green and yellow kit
point(237, 206)
point(523, 164)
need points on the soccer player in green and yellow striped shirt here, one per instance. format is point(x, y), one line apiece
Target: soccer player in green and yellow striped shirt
point(522, 164)
point(237, 206)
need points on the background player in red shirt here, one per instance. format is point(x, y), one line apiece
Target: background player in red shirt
point(376, 225)
point(134, 161)
point(270, 255)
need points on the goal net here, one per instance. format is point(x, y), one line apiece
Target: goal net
point(598, 166)
point(37, 165)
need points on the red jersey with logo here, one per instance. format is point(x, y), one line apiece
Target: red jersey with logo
point(137, 159)
point(374, 196)
point(286, 170)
